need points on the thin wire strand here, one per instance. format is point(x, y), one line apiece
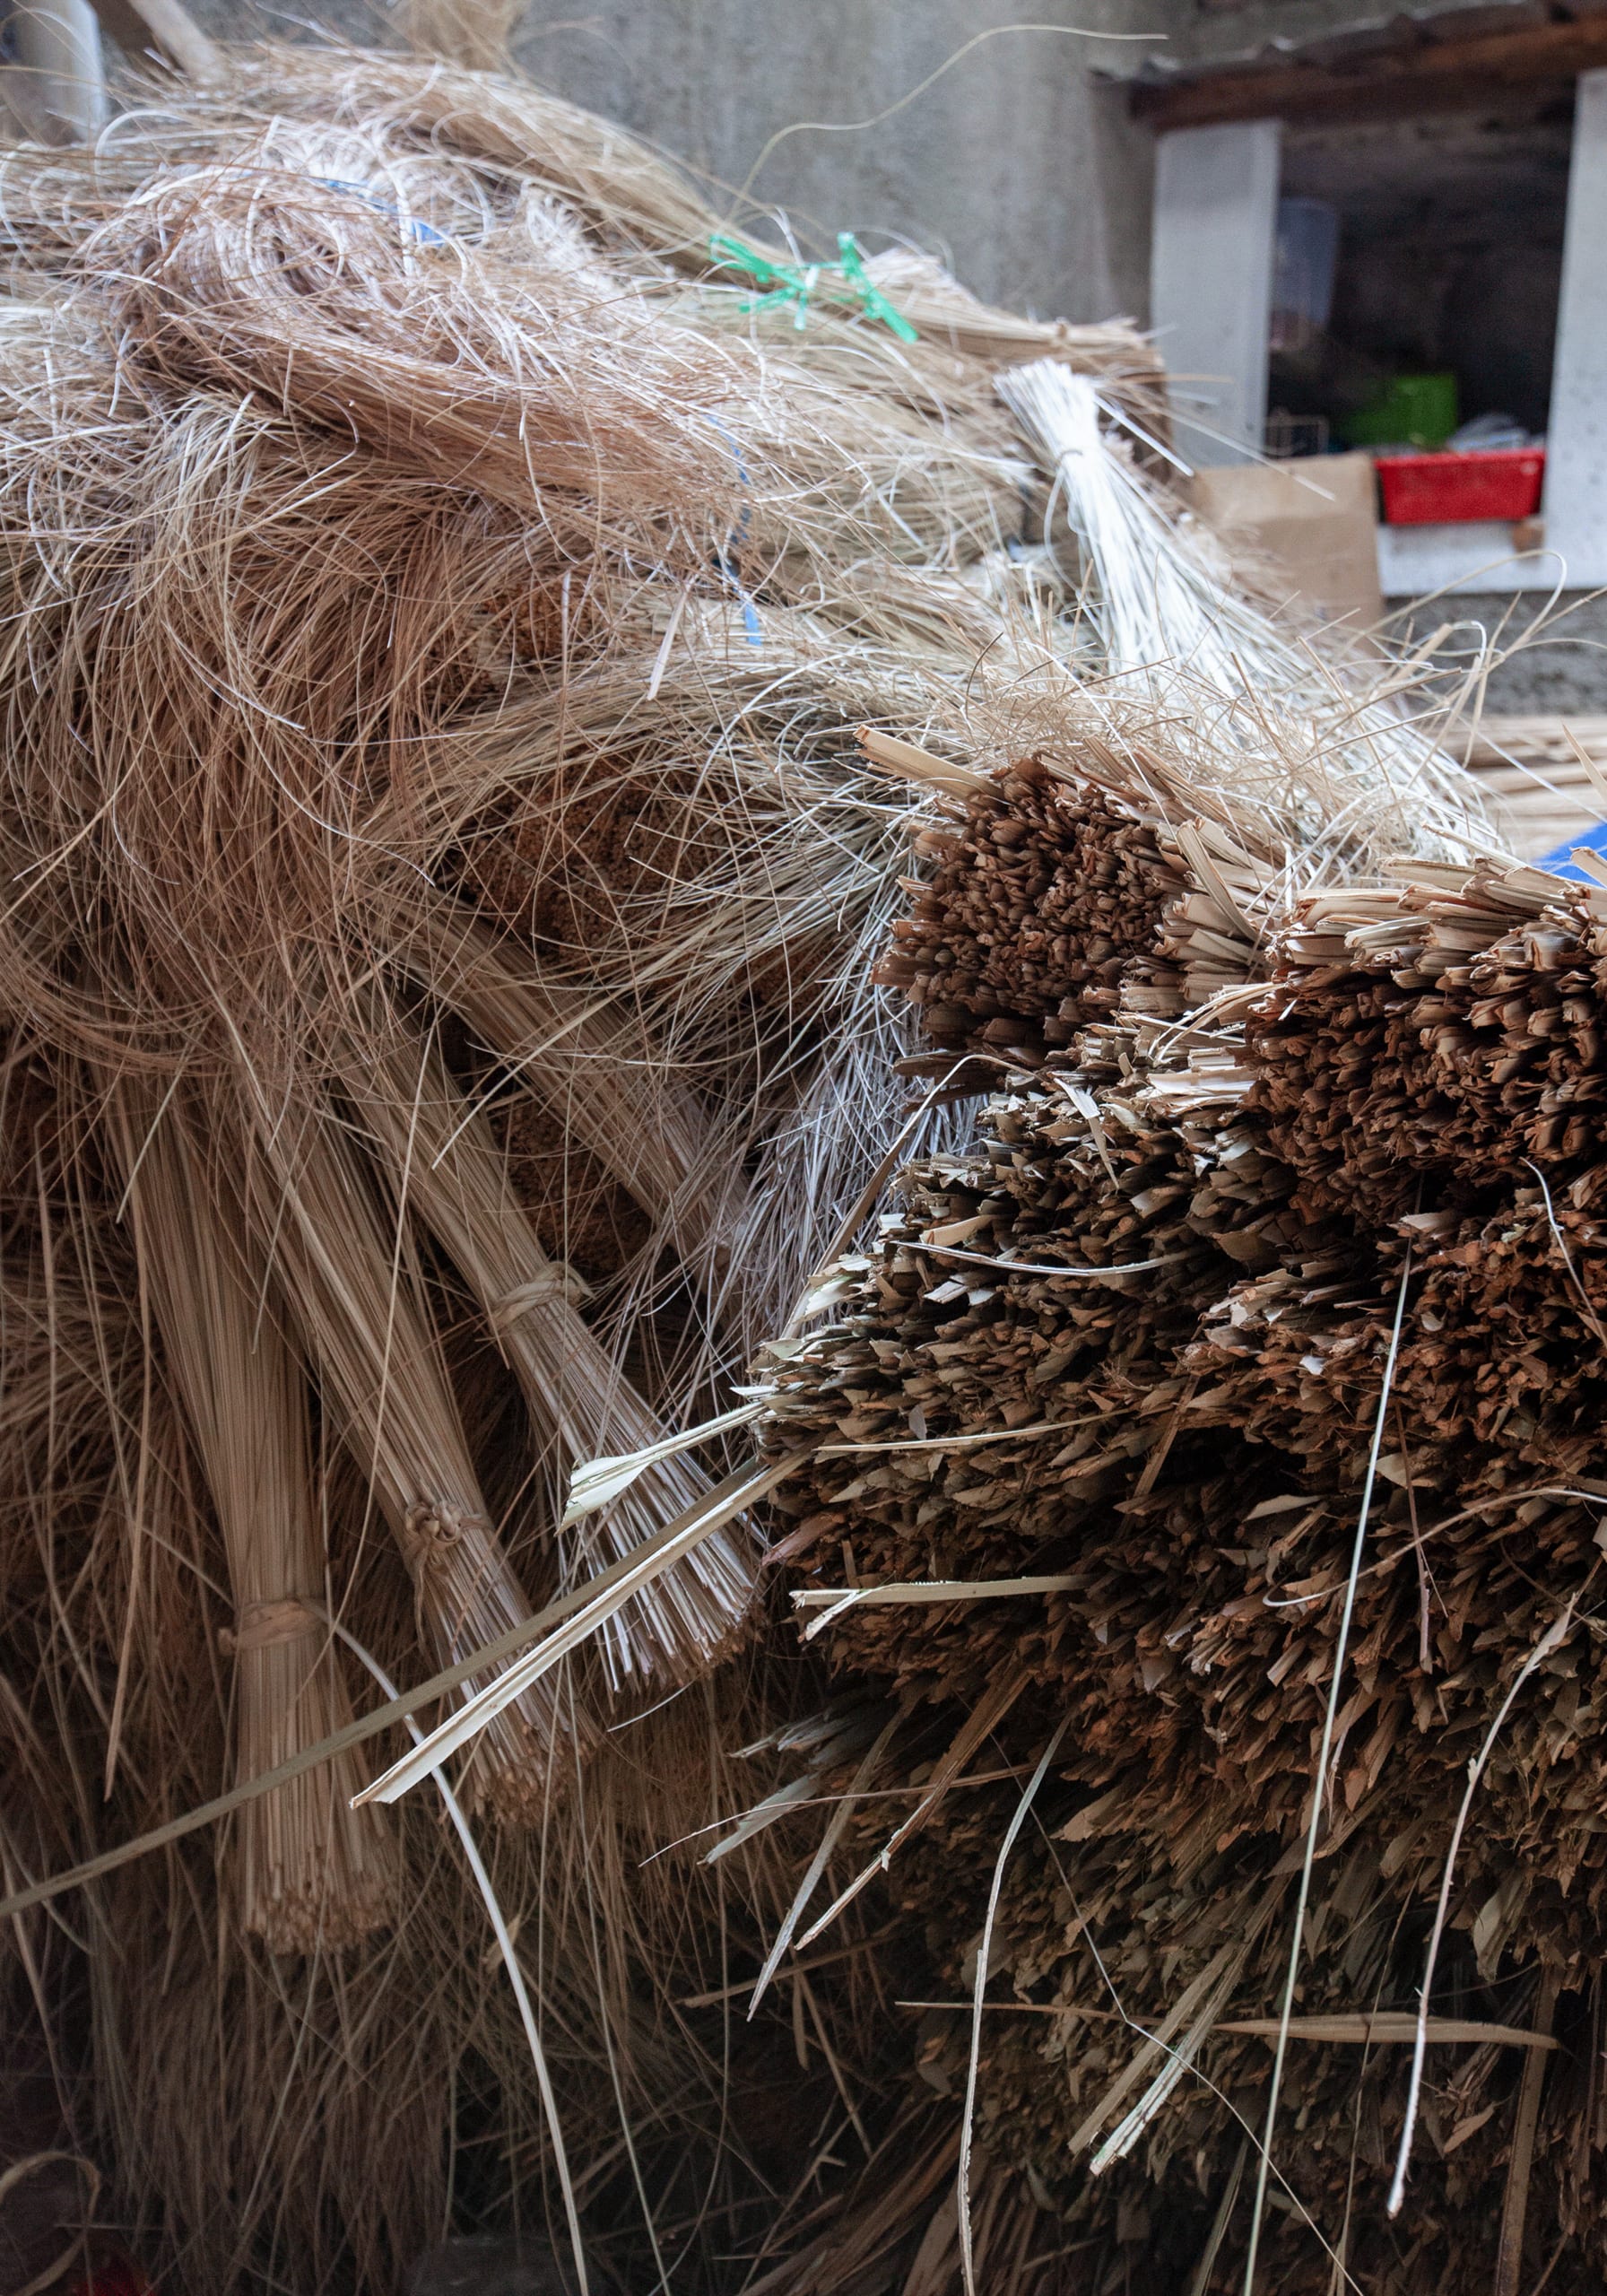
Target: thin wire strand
point(1319, 1786)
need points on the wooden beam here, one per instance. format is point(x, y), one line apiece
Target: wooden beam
point(1427, 75)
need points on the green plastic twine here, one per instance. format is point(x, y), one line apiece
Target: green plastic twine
point(851, 264)
point(846, 281)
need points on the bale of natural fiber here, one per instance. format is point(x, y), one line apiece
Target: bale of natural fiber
point(627, 194)
point(1275, 724)
point(1082, 1447)
point(291, 656)
point(595, 1066)
point(1195, 1569)
point(1434, 1031)
point(357, 1300)
point(314, 1874)
point(343, 614)
point(976, 1422)
point(1191, 1946)
point(522, 372)
point(1043, 899)
point(442, 1165)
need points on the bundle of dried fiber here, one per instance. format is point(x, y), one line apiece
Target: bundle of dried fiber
point(1084, 1446)
point(314, 1874)
point(238, 2090)
point(1042, 911)
point(938, 306)
point(1437, 1031)
point(1309, 733)
point(1144, 1605)
point(603, 836)
point(437, 616)
point(1131, 2032)
point(300, 2067)
point(358, 1298)
point(425, 571)
point(592, 1065)
point(523, 373)
point(441, 1163)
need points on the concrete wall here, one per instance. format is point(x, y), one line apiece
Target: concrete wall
point(1016, 166)
point(1025, 176)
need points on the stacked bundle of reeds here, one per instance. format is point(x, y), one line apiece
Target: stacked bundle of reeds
point(1033, 917)
point(1206, 1469)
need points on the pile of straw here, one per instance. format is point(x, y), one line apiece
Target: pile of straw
point(1212, 1450)
point(437, 1039)
point(440, 1040)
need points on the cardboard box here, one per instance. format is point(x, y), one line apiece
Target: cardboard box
point(1312, 524)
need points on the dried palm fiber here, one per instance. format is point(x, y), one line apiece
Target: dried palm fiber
point(214, 2076)
point(287, 676)
point(203, 874)
point(543, 701)
point(478, 37)
point(444, 1166)
point(242, 2093)
point(282, 675)
point(1173, 1456)
point(938, 307)
point(1447, 1024)
point(885, 2228)
point(591, 1063)
point(311, 1871)
point(620, 869)
point(1160, 1651)
point(306, 2069)
point(1252, 706)
point(752, 441)
point(466, 1573)
point(264, 283)
point(358, 1298)
point(1043, 915)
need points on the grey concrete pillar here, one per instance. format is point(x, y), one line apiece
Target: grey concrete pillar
point(1576, 495)
point(57, 85)
point(1211, 281)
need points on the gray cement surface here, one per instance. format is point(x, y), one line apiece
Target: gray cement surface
point(1015, 165)
point(1559, 670)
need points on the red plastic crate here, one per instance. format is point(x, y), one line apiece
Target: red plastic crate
point(1434, 489)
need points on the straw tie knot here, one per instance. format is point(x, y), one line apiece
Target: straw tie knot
point(557, 1281)
point(257, 1626)
point(432, 1528)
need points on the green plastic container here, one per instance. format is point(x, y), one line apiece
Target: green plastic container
point(1416, 411)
